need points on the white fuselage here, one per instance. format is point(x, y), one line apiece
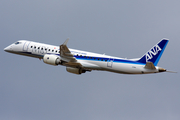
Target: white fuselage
point(89, 60)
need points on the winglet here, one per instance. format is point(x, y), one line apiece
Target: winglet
point(65, 43)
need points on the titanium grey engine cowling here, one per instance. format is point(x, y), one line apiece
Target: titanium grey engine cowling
point(51, 59)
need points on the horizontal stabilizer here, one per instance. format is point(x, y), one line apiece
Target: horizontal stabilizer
point(150, 65)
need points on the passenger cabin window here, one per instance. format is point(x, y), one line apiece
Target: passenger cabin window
point(35, 47)
point(38, 47)
point(41, 48)
point(52, 50)
point(31, 46)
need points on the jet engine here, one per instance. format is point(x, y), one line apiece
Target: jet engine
point(51, 59)
point(75, 70)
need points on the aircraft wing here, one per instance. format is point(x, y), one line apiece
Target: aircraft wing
point(67, 56)
point(71, 61)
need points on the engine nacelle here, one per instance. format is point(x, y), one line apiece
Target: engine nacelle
point(51, 59)
point(75, 70)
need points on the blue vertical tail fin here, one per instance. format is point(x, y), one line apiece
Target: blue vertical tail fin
point(155, 53)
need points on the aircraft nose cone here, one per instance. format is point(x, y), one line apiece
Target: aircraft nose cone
point(7, 49)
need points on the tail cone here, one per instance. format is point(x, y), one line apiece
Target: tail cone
point(162, 70)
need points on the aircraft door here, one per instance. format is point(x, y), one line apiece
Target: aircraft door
point(25, 47)
point(43, 50)
point(110, 62)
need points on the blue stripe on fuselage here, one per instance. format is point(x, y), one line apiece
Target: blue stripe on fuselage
point(91, 58)
point(103, 59)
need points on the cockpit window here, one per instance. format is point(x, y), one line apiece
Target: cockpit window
point(17, 43)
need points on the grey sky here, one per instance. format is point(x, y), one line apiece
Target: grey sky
point(30, 89)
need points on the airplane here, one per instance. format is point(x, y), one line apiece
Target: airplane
point(78, 62)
